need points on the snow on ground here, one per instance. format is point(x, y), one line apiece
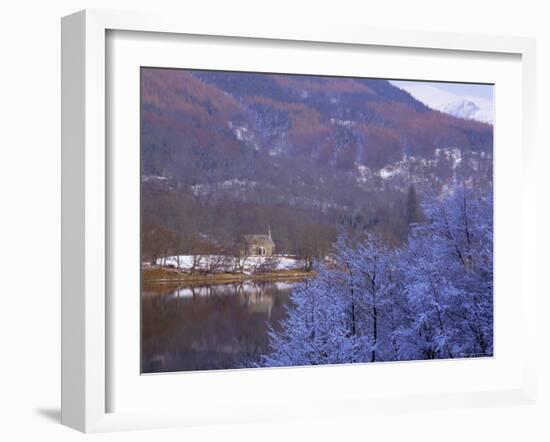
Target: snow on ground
point(221, 263)
point(242, 133)
point(452, 154)
point(396, 169)
point(364, 173)
point(344, 123)
point(146, 178)
point(233, 184)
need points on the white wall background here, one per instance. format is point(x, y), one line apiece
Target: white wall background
point(30, 215)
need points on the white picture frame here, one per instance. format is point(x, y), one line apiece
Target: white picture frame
point(86, 204)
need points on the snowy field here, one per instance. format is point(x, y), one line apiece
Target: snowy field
point(230, 264)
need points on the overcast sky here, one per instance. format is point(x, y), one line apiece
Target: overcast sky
point(439, 95)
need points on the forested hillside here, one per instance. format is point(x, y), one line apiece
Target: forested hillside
point(226, 154)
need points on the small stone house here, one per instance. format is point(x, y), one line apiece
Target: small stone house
point(259, 245)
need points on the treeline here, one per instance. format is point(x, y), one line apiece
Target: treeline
point(178, 223)
point(431, 298)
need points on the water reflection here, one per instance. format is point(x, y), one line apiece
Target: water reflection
point(209, 326)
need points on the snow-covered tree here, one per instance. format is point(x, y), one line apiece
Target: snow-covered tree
point(447, 278)
point(316, 330)
point(365, 263)
point(431, 298)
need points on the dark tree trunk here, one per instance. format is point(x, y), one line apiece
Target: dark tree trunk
point(374, 330)
point(352, 308)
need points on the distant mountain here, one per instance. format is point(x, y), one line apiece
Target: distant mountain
point(216, 117)
point(468, 110)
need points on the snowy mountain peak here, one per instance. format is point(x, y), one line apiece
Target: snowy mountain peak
point(466, 109)
point(462, 109)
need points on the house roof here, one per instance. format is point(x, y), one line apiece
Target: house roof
point(257, 239)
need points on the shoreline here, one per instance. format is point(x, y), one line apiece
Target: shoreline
point(159, 276)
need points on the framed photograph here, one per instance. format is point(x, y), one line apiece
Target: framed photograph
point(266, 222)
